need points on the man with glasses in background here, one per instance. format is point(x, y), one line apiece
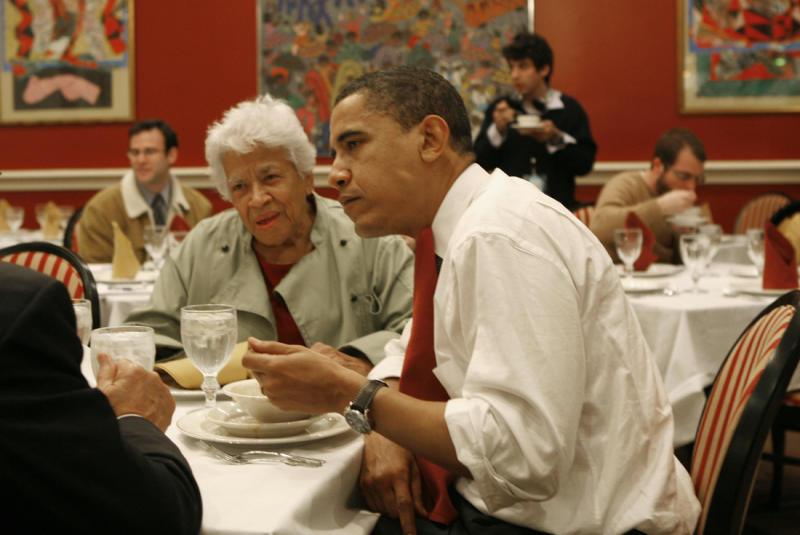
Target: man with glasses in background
point(666, 189)
point(147, 194)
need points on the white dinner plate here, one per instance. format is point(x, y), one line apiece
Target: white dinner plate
point(638, 286)
point(754, 288)
point(237, 422)
point(196, 425)
point(655, 270)
point(744, 271)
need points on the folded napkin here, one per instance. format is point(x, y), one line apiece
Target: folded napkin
point(52, 220)
point(4, 206)
point(183, 372)
point(790, 228)
point(780, 261)
point(178, 223)
point(705, 211)
point(124, 264)
point(647, 256)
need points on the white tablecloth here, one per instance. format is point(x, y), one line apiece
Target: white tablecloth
point(117, 300)
point(690, 335)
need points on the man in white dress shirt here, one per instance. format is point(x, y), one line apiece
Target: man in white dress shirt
point(557, 420)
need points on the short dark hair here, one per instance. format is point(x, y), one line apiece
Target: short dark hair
point(170, 137)
point(532, 46)
point(408, 94)
point(672, 141)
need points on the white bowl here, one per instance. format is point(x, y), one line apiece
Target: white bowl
point(239, 423)
point(248, 395)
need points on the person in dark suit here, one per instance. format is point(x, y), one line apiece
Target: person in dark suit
point(555, 151)
point(75, 459)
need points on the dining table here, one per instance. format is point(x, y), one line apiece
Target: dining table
point(690, 329)
point(269, 496)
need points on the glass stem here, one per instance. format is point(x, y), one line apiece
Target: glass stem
point(210, 387)
point(629, 272)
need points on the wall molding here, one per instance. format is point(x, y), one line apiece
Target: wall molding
point(718, 172)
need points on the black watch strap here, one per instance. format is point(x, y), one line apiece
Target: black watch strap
point(365, 395)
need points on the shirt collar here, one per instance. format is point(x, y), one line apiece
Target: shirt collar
point(136, 203)
point(552, 101)
point(467, 187)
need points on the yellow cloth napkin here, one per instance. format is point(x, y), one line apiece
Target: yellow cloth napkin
point(124, 264)
point(4, 206)
point(52, 220)
point(705, 211)
point(183, 372)
point(790, 227)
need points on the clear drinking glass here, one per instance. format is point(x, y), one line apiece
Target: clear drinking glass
point(133, 342)
point(694, 253)
point(174, 239)
point(66, 213)
point(628, 242)
point(208, 333)
point(83, 319)
point(155, 242)
point(714, 233)
point(15, 215)
point(755, 248)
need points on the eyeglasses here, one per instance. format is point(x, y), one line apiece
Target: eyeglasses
point(685, 176)
point(133, 153)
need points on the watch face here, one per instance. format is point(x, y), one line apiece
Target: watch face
point(357, 421)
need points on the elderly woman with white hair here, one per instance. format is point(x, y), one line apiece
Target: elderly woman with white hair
point(288, 259)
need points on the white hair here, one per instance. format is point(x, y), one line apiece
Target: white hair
point(252, 124)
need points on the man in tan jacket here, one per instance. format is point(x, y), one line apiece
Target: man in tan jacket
point(147, 194)
point(664, 190)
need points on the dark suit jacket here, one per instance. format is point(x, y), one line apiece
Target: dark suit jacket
point(560, 168)
point(67, 465)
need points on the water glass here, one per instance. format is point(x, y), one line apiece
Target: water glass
point(155, 242)
point(694, 249)
point(83, 319)
point(628, 242)
point(208, 333)
point(15, 215)
point(66, 213)
point(714, 233)
point(133, 342)
point(755, 248)
point(174, 239)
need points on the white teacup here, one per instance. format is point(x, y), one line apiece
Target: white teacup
point(528, 121)
point(133, 342)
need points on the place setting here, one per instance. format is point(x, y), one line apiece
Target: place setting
point(640, 273)
point(774, 271)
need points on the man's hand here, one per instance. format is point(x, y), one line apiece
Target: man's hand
point(503, 115)
point(676, 201)
point(390, 481)
point(544, 132)
point(296, 378)
point(353, 363)
point(131, 389)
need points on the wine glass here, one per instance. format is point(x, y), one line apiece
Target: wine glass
point(83, 319)
point(155, 242)
point(66, 213)
point(208, 333)
point(14, 216)
point(175, 238)
point(629, 246)
point(755, 248)
point(714, 233)
point(133, 342)
point(694, 249)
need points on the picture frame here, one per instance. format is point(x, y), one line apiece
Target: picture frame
point(309, 50)
point(738, 56)
point(66, 65)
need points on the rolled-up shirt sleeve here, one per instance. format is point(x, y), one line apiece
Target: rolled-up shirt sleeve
point(510, 353)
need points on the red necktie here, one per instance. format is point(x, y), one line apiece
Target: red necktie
point(417, 378)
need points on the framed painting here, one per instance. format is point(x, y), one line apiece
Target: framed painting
point(739, 56)
point(310, 49)
point(66, 61)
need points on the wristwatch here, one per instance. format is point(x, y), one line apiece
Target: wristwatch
point(357, 412)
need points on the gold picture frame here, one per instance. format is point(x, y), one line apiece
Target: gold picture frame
point(71, 65)
point(738, 57)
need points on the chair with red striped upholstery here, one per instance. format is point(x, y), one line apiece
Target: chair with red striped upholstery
point(788, 419)
point(757, 211)
point(61, 264)
point(740, 409)
point(584, 213)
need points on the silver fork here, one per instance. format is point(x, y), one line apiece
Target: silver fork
point(259, 456)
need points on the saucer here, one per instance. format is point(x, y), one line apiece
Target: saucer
point(239, 423)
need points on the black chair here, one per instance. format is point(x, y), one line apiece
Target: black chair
point(61, 264)
point(70, 239)
point(739, 412)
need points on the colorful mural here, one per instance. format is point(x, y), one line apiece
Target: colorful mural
point(310, 49)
